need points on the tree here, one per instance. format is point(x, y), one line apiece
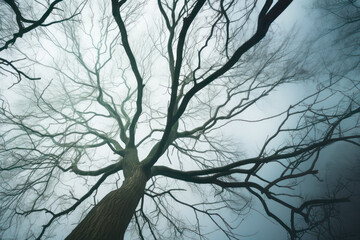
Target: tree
point(19, 19)
point(149, 105)
point(341, 35)
point(343, 18)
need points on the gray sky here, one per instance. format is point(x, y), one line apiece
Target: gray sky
point(337, 162)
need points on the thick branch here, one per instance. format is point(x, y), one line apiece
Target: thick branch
point(263, 26)
point(140, 85)
point(20, 19)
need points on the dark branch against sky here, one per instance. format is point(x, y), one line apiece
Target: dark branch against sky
point(143, 104)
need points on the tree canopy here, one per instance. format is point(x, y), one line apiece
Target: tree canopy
point(142, 113)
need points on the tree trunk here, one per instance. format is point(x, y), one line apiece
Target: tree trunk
point(109, 219)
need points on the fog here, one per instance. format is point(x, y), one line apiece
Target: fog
point(309, 46)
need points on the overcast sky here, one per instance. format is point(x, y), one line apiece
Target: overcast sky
point(340, 161)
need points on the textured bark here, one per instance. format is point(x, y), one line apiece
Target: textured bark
point(109, 219)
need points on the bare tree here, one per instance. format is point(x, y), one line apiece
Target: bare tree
point(338, 43)
point(342, 31)
point(19, 19)
point(149, 104)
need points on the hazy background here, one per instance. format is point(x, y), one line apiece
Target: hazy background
point(339, 164)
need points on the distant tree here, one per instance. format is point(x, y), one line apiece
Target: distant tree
point(338, 42)
point(342, 31)
point(144, 92)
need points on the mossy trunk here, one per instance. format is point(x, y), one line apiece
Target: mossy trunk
point(109, 219)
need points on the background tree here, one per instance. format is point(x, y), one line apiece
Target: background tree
point(147, 98)
point(337, 48)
